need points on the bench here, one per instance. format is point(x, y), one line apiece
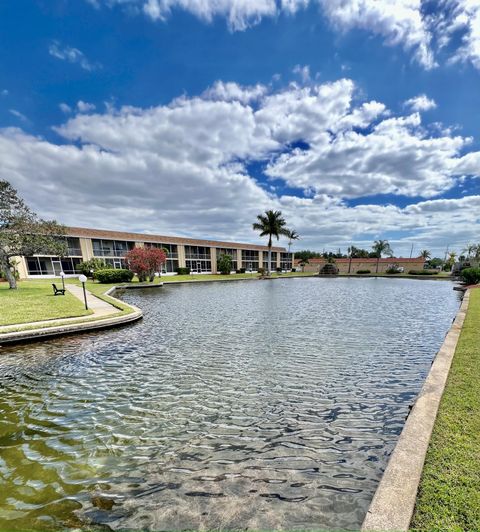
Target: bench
point(58, 291)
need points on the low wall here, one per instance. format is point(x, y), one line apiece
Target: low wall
point(392, 507)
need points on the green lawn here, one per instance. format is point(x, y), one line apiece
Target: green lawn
point(34, 301)
point(449, 494)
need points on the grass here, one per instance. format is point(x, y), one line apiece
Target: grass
point(34, 301)
point(449, 493)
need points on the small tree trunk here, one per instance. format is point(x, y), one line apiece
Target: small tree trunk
point(378, 262)
point(5, 266)
point(350, 265)
point(269, 260)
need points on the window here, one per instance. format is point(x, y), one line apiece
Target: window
point(286, 261)
point(73, 247)
point(111, 248)
point(274, 260)
point(250, 259)
point(198, 259)
point(231, 252)
point(52, 265)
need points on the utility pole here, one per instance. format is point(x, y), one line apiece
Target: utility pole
point(411, 251)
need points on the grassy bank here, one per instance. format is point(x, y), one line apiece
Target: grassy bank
point(449, 494)
point(34, 301)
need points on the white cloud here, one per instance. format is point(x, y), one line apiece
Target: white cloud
point(85, 107)
point(232, 91)
point(400, 22)
point(65, 108)
point(71, 55)
point(19, 115)
point(421, 103)
point(182, 168)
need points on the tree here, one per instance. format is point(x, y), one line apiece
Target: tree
point(291, 235)
point(224, 264)
point(145, 262)
point(307, 254)
point(91, 266)
point(470, 250)
point(23, 233)
point(381, 247)
point(303, 262)
point(425, 254)
point(271, 224)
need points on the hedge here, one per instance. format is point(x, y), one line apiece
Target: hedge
point(183, 271)
point(363, 271)
point(111, 275)
point(422, 272)
point(470, 275)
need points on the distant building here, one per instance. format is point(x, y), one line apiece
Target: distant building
point(354, 265)
point(111, 246)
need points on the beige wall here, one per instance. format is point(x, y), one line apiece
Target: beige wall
point(358, 264)
point(181, 255)
point(87, 248)
point(213, 258)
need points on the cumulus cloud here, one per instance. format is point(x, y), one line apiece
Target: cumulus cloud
point(421, 103)
point(71, 55)
point(65, 108)
point(183, 168)
point(85, 107)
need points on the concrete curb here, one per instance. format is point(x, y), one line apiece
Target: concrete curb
point(392, 507)
point(45, 333)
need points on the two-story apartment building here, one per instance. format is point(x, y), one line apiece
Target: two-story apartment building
point(111, 246)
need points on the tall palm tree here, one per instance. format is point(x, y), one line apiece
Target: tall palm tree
point(381, 247)
point(271, 224)
point(425, 254)
point(291, 235)
point(470, 250)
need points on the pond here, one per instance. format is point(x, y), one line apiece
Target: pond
point(253, 405)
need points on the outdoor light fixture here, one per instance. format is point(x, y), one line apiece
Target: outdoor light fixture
point(83, 280)
point(62, 275)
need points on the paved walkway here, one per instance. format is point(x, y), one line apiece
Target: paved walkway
point(99, 307)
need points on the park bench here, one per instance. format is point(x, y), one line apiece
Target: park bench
point(58, 291)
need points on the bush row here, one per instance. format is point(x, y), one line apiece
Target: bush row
point(422, 272)
point(471, 275)
point(110, 275)
point(363, 271)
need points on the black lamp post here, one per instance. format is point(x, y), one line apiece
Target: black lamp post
point(83, 280)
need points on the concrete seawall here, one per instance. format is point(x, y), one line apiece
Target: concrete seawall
point(392, 506)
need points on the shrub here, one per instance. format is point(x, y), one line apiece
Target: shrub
point(262, 271)
point(224, 264)
point(293, 270)
point(329, 269)
point(279, 270)
point(360, 272)
point(423, 272)
point(183, 271)
point(470, 275)
point(111, 275)
point(241, 270)
point(393, 269)
point(86, 267)
point(145, 262)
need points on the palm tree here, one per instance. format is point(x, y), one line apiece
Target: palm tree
point(271, 224)
point(470, 250)
point(381, 247)
point(291, 235)
point(303, 262)
point(425, 254)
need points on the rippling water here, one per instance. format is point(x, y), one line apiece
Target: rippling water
point(247, 405)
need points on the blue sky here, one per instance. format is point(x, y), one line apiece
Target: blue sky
point(359, 119)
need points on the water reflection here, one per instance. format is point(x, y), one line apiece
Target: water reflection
point(252, 405)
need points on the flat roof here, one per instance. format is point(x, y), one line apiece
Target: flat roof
point(85, 232)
